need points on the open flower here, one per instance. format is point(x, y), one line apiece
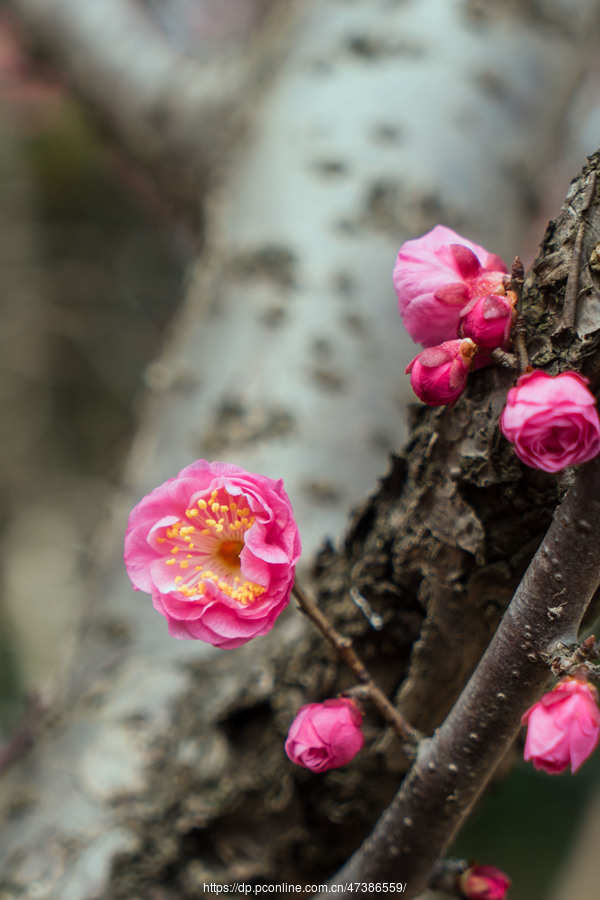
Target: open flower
point(484, 883)
point(325, 735)
point(436, 275)
point(216, 548)
point(438, 375)
point(563, 727)
point(552, 422)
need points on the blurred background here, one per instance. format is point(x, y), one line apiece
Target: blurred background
point(93, 266)
point(92, 269)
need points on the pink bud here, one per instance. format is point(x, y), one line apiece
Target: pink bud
point(325, 735)
point(438, 375)
point(563, 727)
point(484, 883)
point(553, 422)
point(435, 276)
point(488, 320)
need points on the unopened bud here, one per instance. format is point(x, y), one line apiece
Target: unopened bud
point(438, 375)
point(484, 883)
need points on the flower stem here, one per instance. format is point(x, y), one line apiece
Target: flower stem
point(504, 359)
point(366, 689)
point(517, 277)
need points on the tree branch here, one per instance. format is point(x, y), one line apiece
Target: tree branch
point(453, 767)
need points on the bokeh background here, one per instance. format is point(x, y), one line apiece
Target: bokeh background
point(93, 266)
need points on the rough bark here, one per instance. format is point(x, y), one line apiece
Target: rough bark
point(165, 759)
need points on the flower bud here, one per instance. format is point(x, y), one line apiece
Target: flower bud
point(484, 883)
point(435, 276)
point(552, 422)
point(438, 375)
point(488, 320)
point(563, 727)
point(325, 735)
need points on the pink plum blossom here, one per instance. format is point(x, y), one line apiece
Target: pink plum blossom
point(488, 320)
point(325, 735)
point(563, 727)
point(484, 883)
point(438, 375)
point(435, 276)
point(216, 548)
point(552, 422)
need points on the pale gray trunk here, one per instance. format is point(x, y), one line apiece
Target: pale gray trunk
point(162, 765)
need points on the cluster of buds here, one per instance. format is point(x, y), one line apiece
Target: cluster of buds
point(453, 299)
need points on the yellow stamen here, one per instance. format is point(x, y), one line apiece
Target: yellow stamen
point(218, 538)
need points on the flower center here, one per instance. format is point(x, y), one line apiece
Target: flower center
point(207, 546)
point(229, 552)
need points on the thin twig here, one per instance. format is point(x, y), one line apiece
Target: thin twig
point(504, 359)
point(367, 688)
point(572, 288)
point(517, 277)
